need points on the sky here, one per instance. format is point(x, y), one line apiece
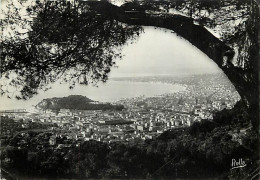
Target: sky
point(155, 52)
point(162, 52)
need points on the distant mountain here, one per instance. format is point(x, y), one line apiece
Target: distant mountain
point(75, 102)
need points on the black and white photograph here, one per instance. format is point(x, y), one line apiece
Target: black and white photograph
point(129, 89)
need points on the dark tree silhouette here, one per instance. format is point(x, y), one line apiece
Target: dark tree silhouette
point(66, 40)
point(78, 41)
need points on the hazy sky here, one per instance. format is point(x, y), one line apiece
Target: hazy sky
point(160, 52)
point(156, 52)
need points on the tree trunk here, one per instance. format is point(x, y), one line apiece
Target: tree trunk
point(244, 76)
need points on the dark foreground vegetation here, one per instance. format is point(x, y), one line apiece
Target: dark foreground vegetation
point(204, 150)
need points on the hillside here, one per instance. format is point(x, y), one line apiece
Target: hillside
point(75, 102)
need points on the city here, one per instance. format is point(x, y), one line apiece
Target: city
point(142, 118)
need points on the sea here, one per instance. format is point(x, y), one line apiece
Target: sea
point(110, 91)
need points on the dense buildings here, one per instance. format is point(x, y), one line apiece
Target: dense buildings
point(142, 118)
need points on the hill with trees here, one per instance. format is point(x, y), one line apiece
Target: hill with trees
point(77, 102)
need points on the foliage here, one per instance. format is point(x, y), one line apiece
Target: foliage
point(75, 102)
point(59, 40)
point(78, 42)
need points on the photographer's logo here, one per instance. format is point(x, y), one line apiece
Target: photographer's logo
point(238, 164)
